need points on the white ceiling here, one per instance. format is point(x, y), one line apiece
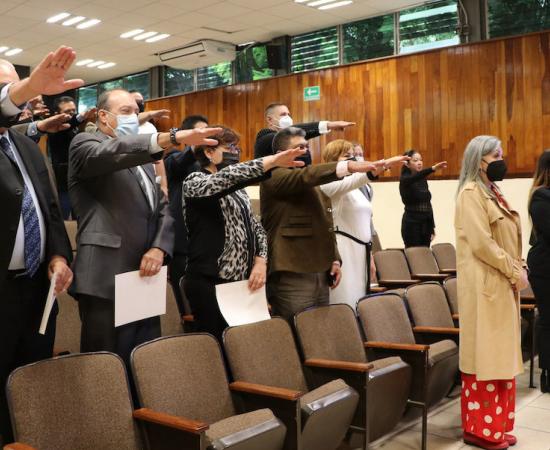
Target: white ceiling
point(23, 24)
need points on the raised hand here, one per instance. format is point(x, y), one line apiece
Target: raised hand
point(284, 159)
point(54, 124)
point(339, 125)
point(198, 136)
point(440, 165)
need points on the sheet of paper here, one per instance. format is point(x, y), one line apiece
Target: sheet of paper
point(49, 305)
point(239, 306)
point(138, 298)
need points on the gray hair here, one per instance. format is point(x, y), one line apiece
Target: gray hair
point(476, 149)
point(103, 100)
point(281, 140)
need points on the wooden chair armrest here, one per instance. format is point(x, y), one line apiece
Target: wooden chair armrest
point(448, 271)
point(395, 346)
point(527, 307)
point(430, 276)
point(456, 316)
point(268, 391)
point(338, 365)
point(188, 318)
point(437, 330)
point(18, 446)
point(378, 289)
point(397, 283)
point(167, 420)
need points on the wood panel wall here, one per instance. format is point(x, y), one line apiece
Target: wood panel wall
point(434, 102)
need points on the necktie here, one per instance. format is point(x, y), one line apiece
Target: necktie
point(31, 224)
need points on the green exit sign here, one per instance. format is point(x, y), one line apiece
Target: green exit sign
point(312, 93)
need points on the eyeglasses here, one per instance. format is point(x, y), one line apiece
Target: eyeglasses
point(234, 148)
point(303, 146)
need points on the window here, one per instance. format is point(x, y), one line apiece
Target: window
point(214, 76)
point(87, 97)
point(509, 17)
point(112, 84)
point(314, 50)
point(177, 81)
point(370, 38)
point(138, 82)
point(428, 26)
point(251, 64)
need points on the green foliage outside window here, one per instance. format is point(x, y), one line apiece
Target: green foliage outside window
point(314, 50)
point(369, 38)
point(511, 17)
point(251, 64)
point(177, 81)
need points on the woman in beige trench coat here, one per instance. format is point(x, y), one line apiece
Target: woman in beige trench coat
point(490, 276)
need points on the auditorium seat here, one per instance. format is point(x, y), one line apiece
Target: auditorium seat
point(452, 296)
point(430, 313)
point(267, 372)
point(389, 332)
point(445, 255)
point(83, 401)
point(171, 323)
point(392, 269)
point(185, 376)
point(423, 264)
point(71, 228)
point(68, 326)
point(376, 244)
point(332, 346)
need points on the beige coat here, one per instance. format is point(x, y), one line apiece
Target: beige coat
point(488, 244)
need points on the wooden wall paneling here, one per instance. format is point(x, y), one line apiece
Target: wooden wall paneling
point(434, 101)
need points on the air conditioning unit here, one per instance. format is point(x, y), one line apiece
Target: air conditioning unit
point(198, 54)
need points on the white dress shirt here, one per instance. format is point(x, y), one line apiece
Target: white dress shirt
point(17, 261)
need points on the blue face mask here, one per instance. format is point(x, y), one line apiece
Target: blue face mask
point(128, 125)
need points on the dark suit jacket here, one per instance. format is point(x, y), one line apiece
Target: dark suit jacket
point(298, 219)
point(264, 139)
point(5, 120)
point(115, 223)
point(538, 258)
point(178, 166)
point(11, 192)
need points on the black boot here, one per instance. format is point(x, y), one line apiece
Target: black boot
point(544, 381)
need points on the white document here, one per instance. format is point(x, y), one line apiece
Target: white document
point(138, 297)
point(49, 305)
point(239, 306)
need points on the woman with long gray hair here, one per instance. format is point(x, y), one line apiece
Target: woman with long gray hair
point(490, 276)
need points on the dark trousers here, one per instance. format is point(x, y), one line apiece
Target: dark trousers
point(201, 292)
point(176, 271)
point(417, 230)
point(541, 289)
point(22, 303)
point(291, 292)
point(99, 332)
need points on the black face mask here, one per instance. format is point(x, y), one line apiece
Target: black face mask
point(228, 159)
point(353, 158)
point(496, 170)
point(306, 158)
point(141, 106)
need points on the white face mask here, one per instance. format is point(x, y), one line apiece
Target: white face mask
point(285, 122)
point(126, 124)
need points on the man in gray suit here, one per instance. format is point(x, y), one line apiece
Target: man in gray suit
point(124, 223)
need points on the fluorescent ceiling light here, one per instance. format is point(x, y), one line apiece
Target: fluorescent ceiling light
point(158, 37)
point(106, 66)
point(3, 49)
point(88, 24)
point(300, 1)
point(95, 64)
point(13, 51)
point(73, 21)
point(146, 35)
point(130, 34)
point(336, 5)
point(58, 17)
point(320, 2)
point(84, 62)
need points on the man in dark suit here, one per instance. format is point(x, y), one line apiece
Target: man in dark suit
point(303, 257)
point(178, 166)
point(34, 247)
point(277, 116)
point(124, 222)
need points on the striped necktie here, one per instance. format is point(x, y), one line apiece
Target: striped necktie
point(31, 224)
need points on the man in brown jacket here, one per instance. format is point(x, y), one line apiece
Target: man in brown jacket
point(303, 257)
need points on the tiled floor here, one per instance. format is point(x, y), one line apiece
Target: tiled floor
point(445, 433)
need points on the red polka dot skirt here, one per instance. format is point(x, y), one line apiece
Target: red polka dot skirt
point(488, 407)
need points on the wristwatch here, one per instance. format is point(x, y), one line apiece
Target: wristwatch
point(173, 132)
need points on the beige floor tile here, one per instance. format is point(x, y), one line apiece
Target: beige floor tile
point(532, 439)
point(526, 396)
point(534, 419)
point(542, 401)
point(446, 424)
point(411, 440)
